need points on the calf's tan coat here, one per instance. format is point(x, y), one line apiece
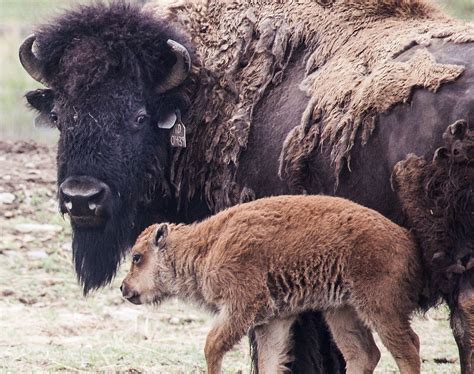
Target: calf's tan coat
point(258, 265)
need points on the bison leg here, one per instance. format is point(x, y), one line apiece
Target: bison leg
point(273, 344)
point(462, 324)
point(314, 350)
point(354, 340)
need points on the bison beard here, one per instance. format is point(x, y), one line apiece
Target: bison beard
point(98, 252)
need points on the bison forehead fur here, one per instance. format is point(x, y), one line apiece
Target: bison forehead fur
point(90, 45)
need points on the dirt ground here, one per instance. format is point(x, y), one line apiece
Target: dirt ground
point(47, 325)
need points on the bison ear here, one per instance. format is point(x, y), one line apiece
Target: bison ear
point(161, 233)
point(441, 154)
point(458, 129)
point(167, 120)
point(42, 100)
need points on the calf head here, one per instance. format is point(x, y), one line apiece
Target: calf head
point(150, 278)
point(112, 75)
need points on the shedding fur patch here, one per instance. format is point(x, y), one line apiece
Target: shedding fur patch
point(244, 48)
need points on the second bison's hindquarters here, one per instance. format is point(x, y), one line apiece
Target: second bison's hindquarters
point(258, 265)
point(438, 199)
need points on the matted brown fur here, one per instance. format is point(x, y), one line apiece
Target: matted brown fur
point(261, 263)
point(244, 47)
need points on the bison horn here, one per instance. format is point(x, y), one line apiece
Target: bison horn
point(180, 70)
point(29, 61)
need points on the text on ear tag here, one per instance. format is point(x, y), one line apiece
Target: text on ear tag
point(178, 135)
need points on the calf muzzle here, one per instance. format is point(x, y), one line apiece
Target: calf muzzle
point(130, 294)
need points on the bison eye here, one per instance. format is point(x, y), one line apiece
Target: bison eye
point(53, 117)
point(141, 119)
point(136, 258)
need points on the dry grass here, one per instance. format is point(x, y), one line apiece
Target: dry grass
point(46, 323)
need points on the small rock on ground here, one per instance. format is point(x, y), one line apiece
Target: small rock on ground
point(37, 255)
point(7, 198)
point(37, 227)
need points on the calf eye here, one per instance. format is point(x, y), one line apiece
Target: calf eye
point(136, 258)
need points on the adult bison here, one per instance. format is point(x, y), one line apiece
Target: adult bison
point(180, 110)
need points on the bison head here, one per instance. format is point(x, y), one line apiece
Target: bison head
point(111, 74)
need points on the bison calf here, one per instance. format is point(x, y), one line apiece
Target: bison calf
point(258, 265)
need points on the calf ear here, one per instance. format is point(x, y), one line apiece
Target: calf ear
point(41, 100)
point(161, 233)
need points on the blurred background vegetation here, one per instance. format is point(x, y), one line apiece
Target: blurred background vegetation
point(18, 18)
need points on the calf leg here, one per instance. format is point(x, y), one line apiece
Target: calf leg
point(229, 327)
point(354, 340)
point(274, 345)
point(401, 341)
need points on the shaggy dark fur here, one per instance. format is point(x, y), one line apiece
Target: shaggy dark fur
point(102, 64)
point(438, 199)
point(115, 40)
